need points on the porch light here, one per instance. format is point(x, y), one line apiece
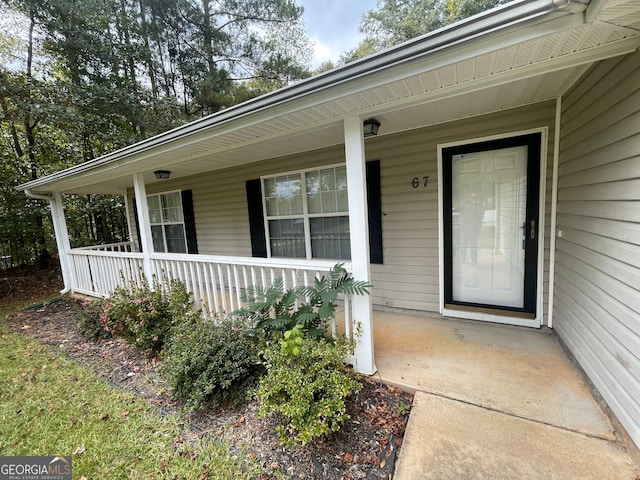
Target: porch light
point(370, 127)
point(162, 174)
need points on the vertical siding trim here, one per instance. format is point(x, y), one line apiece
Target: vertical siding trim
point(554, 211)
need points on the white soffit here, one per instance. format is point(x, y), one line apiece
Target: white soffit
point(624, 13)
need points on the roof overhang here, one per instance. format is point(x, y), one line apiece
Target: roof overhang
point(518, 54)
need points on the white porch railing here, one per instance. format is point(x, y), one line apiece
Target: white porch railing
point(112, 247)
point(215, 282)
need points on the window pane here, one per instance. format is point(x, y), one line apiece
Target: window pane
point(330, 238)
point(287, 238)
point(157, 237)
point(314, 202)
point(175, 239)
point(327, 180)
point(155, 214)
point(327, 190)
point(329, 202)
point(341, 178)
point(172, 207)
point(312, 180)
point(272, 206)
point(283, 195)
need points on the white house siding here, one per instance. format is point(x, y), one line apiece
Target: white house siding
point(597, 289)
point(409, 277)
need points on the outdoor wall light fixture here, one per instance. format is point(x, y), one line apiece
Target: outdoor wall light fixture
point(162, 174)
point(370, 127)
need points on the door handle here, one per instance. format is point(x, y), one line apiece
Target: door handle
point(531, 228)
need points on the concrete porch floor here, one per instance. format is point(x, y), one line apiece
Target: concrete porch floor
point(493, 401)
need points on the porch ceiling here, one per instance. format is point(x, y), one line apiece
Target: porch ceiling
point(492, 71)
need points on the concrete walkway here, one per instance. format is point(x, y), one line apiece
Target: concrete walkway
point(494, 402)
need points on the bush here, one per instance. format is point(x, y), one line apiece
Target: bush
point(92, 319)
point(142, 315)
point(212, 363)
point(275, 311)
point(306, 385)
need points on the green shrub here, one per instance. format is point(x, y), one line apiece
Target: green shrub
point(93, 320)
point(212, 363)
point(142, 315)
point(275, 311)
point(306, 386)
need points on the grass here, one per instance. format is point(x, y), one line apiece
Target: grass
point(52, 406)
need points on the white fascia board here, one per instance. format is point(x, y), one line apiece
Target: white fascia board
point(516, 21)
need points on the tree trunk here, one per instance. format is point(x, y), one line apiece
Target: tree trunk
point(29, 128)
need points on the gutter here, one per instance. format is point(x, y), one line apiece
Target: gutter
point(37, 196)
point(472, 27)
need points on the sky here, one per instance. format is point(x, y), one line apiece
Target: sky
point(332, 26)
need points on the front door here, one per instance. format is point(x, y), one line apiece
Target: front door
point(490, 220)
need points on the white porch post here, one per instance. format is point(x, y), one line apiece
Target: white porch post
point(62, 241)
point(145, 226)
point(359, 233)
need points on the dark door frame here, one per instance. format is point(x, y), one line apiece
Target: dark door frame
point(533, 142)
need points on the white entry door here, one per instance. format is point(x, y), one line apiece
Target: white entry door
point(490, 219)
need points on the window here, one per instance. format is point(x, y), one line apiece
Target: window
point(167, 222)
point(307, 214)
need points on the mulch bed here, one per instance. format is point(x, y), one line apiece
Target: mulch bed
point(366, 447)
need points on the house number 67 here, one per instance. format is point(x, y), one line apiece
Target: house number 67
point(415, 183)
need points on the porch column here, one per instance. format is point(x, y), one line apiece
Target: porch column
point(145, 225)
point(62, 241)
point(359, 233)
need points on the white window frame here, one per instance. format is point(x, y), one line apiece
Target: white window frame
point(305, 215)
point(163, 223)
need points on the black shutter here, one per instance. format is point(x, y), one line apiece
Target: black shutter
point(189, 222)
point(374, 200)
point(256, 218)
point(135, 218)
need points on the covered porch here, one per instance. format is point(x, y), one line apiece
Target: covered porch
point(565, 72)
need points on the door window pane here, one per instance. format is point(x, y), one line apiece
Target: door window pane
point(488, 212)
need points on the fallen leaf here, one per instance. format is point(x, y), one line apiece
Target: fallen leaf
point(81, 449)
point(125, 413)
point(348, 457)
point(83, 477)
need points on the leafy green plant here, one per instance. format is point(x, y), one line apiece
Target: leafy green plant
point(403, 408)
point(92, 320)
point(212, 363)
point(306, 386)
point(141, 314)
point(275, 310)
